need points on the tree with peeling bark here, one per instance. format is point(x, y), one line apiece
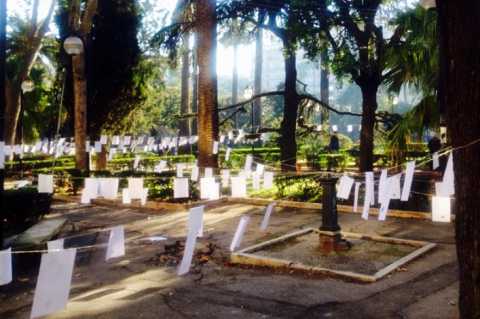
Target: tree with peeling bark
point(460, 95)
point(81, 24)
point(36, 33)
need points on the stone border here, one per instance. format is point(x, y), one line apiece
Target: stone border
point(246, 256)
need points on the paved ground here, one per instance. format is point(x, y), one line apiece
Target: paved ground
point(143, 284)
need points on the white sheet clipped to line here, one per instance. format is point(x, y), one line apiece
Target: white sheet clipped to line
point(355, 198)
point(369, 194)
point(126, 196)
point(239, 186)
point(55, 245)
point(5, 266)
point(208, 172)
point(385, 198)
point(227, 153)
point(435, 160)
point(108, 188)
point(266, 217)
point(449, 177)
point(209, 189)
point(144, 197)
point(345, 187)
point(248, 163)
point(136, 161)
point(382, 185)
point(215, 147)
point(180, 188)
point(407, 183)
point(135, 187)
point(53, 283)
point(256, 181)
point(396, 186)
point(116, 243)
point(268, 180)
point(225, 173)
point(195, 173)
point(241, 228)
point(441, 210)
point(45, 183)
point(195, 221)
point(260, 169)
point(180, 167)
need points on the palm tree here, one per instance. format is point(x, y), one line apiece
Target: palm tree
point(206, 28)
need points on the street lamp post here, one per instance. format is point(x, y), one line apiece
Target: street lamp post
point(26, 87)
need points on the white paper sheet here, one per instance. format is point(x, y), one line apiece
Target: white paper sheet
point(53, 283)
point(345, 187)
point(239, 186)
point(441, 210)
point(116, 243)
point(45, 183)
point(126, 196)
point(396, 186)
point(435, 160)
point(180, 188)
point(108, 188)
point(386, 197)
point(449, 177)
point(136, 161)
point(195, 222)
point(241, 228)
point(215, 147)
point(256, 181)
point(225, 177)
point(54, 245)
point(369, 191)
point(407, 183)
point(248, 163)
point(98, 147)
point(208, 172)
point(266, 217)
point(5, 266)
point(260, 169)
point(135, 187)
point(382, 184)
point(195, 173)
point(144, 197)
point(355, 199)
point(227, 153)
point(268, 180)
point(209, 189)
point(180, 167)
point(91, 188)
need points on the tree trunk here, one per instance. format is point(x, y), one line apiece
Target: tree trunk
point(369, 107)
point(207, 82)
point(257, 89)
point(324, 87)
point(185, 90)
point(193, 120)
point(80, 97)
point(3, 43)
point(461, 38)
point(288, 143)
point(235, 82)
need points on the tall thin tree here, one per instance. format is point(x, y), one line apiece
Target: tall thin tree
point(206, 28)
